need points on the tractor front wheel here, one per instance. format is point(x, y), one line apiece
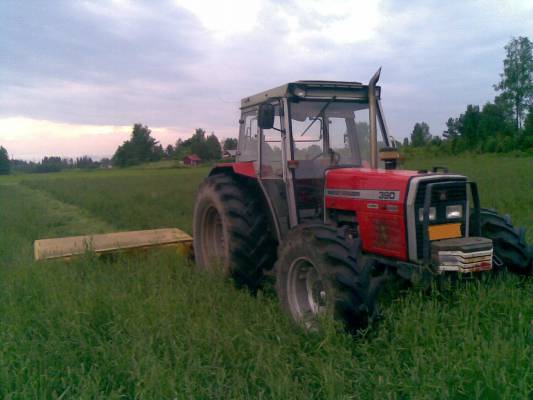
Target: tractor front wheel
point(510, 248)
point(318, 273)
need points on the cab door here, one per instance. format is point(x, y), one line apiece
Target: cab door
point(273, 168)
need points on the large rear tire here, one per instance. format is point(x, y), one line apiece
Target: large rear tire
point(510, 247)
point(231, 230)
point(318, 271)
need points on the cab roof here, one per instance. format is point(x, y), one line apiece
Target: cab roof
point(313, 90)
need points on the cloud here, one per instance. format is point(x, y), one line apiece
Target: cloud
point(182, 64)
point(222, 20)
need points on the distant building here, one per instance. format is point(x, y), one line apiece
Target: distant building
point(229, 153)
point(192, 159)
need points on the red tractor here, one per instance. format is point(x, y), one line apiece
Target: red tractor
point(315, 198)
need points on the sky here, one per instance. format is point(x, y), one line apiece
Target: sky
point(76, 75)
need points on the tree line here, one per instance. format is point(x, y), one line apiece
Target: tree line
point(501, 126)
point(48, 164)
point(142, 147)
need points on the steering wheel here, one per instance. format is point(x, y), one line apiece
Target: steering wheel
point(318, 155)
point(334, 156)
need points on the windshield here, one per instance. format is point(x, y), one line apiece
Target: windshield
point(338, 131)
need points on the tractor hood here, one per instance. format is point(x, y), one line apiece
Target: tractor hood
point(386, 204)
point(353, 179)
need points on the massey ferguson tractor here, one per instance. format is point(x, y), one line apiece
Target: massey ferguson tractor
point(315, 199)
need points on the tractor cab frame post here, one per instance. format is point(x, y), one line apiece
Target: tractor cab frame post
point(372, 110)
point(286, 155)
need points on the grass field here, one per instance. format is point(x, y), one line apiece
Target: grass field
point(153, 327)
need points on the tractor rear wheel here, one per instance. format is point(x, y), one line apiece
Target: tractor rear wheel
point(510, 248)
point(231, 230)
point(318, 272)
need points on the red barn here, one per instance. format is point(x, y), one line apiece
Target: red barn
point(192, 159)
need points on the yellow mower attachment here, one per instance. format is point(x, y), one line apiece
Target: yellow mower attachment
point(67, 247)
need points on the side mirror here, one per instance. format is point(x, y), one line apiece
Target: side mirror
point(265, 116)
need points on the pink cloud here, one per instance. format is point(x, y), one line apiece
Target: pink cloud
point(33, 139)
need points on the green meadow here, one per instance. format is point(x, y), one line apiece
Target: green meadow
point(150, 326)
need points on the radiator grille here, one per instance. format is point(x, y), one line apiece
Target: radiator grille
point(441, 197)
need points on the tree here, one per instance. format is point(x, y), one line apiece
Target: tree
point(420, 135)
point(180, 150)
point(105, 162)
point(214, 150)
point(50, 164)
point(506, 106)
point(516, 82)
point(5, 168)
point(86, 162)
point(405, 142)
point(230, 144)
point(468, 125)
point(436, 141)
point(141, 147)
point(22, 166)
point(206, 148)
point(452, 129)
point(158, 153)
point(170, 151)
point(121, 157)
point(493, 122)
point(197, 144)
point(528, 124)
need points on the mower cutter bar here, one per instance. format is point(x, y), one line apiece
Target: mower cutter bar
point(67, 247)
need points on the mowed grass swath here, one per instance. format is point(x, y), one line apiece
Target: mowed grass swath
point(129, 199)
point(152, 327)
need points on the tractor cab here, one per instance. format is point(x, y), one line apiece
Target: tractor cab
point(295, 132)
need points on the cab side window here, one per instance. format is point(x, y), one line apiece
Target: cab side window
point(248, 137)
point(271, 166)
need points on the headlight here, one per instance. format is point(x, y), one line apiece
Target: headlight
point(432, 214)
point(454, 212)
point(300, 92)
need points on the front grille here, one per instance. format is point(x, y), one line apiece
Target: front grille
point(454, 194)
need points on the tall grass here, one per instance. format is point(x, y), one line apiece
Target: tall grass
point(152, 327)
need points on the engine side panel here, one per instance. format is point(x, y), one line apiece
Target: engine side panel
point(378, 198)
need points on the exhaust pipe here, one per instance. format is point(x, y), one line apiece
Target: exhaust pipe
point(372, 110)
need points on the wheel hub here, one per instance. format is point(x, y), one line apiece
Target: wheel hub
point(307, 292)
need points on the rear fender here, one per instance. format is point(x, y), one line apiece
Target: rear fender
point(238, 168)
point(247, 171)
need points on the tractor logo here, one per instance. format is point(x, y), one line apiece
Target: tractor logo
point(443, 195)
